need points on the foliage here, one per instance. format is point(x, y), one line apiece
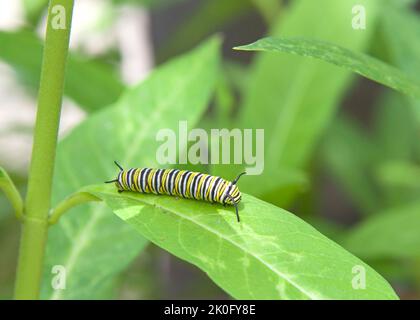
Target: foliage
point(249, 259)
point(275, 252)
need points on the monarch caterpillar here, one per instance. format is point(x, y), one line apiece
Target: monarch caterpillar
point(182, 183)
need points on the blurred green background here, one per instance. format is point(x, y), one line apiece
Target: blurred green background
point(345, 157)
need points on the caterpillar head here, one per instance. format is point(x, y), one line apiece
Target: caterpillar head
point(118, 180)
point(234, 195)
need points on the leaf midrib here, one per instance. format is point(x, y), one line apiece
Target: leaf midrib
point(222, 236)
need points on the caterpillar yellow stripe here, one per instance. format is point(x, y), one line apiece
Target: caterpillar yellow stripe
point(180, 183)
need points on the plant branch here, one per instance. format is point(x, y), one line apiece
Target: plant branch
point(11, 192)
point(70, 202)
point(37, 202)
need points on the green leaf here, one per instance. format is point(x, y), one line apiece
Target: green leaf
point(293, 99)
point(90, 84)
point(360, 63)
point(403, 46)
point(34, 9)
point(238, 74)
point(286, 182)
point(348, 154)
point(269, 9)
point(404, 3)
point(368, 167)
point(271, 254)
point(230, 86)
point(150, 4)
point(390, 234)
point(210, 16)
point(90, 242)
point(399, 174)
point(392, 114)
point(395, 170)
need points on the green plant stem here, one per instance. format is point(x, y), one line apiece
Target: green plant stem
point(37, 204)
point(12, 193)
point(70, 202)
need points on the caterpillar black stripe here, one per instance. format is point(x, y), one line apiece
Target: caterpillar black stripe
point(181, 183)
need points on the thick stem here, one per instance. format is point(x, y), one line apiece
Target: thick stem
point(37, 204)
